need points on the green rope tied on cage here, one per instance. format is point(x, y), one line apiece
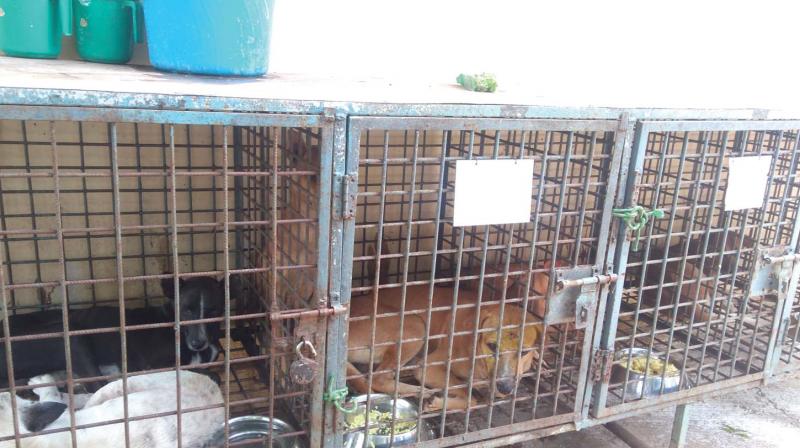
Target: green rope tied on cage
point(338, 397)
point(636, 218)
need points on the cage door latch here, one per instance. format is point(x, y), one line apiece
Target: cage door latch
point(574, 298)
point(772, 270)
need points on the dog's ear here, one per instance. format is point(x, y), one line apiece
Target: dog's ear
point(490, 321)
point(531, 334)
point(236, 285)
point(307, 156)
point(168, 286)
point(40, 415)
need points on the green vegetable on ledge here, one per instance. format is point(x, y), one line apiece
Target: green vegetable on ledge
point(483, 82)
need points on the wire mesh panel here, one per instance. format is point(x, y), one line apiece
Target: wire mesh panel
point(790, 350)
point(788, 353)
point(704, 290)
point(142, 248)
point(448, 325)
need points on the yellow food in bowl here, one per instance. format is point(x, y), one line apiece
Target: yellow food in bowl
point(654, 367)
point(380, 423)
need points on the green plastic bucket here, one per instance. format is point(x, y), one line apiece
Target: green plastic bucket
point(33, 28)
point(106, 30)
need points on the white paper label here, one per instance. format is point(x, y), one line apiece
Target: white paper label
point(492, 192)
point(747, 182)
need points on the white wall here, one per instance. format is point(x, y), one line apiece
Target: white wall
point(593, 44)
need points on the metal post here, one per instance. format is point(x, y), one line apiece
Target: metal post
point(679, 426)
point(633, 148)
point(344, 160)
point(627, 436)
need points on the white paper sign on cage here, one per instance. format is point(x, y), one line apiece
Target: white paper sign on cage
point(747, 182)
point(492, 192)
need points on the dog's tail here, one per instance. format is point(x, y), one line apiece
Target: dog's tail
point(356, 379)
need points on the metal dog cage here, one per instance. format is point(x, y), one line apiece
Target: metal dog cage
point(706, 289)
point(312, 208)
point(97, 207)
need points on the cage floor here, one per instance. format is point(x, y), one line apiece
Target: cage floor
point(729, 346)
point(249, 394)
point(527, 406)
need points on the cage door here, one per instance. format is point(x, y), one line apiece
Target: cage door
point(462, 323)
point(707, 260)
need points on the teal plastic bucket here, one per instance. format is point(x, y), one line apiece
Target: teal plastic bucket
point(33, 28)
point(210, 37)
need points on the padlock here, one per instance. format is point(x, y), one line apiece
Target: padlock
point(304, 369)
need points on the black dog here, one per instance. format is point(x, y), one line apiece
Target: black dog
point(39, 356)
point(200, 298)
point(147, 349)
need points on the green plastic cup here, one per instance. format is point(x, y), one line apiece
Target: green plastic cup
point(33, 28)
point(106, 30)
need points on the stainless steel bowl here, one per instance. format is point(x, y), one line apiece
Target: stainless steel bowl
point(256, 427)
point(639, 386)
point(404, 411)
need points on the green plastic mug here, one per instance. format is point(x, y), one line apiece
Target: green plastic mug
point(106, 30)
point(33, 28)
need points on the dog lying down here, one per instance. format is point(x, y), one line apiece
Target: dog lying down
point(498, 356)
point(147, 394)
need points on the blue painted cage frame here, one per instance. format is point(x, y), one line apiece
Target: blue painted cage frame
point(330, 152)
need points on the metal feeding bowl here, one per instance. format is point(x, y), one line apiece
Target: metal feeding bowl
point(379, 434)
point(257, 428)
point(640, 385)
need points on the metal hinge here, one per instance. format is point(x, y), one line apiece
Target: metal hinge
point(346, 196)
point(348, 185)
point(600, 369)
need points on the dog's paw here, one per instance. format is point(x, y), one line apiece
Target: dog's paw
point(427, 393)
point(433, 403)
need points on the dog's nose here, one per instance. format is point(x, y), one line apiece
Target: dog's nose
point(505, 385)
point(197, 345)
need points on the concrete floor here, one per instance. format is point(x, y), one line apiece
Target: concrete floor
point(767, 417)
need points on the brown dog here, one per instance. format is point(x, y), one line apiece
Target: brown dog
point(387, 329)
point(695, 285)
point(517, 278)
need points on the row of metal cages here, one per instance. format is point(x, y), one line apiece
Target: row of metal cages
point(311, 268)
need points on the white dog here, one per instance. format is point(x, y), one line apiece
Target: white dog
point(147, 394)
